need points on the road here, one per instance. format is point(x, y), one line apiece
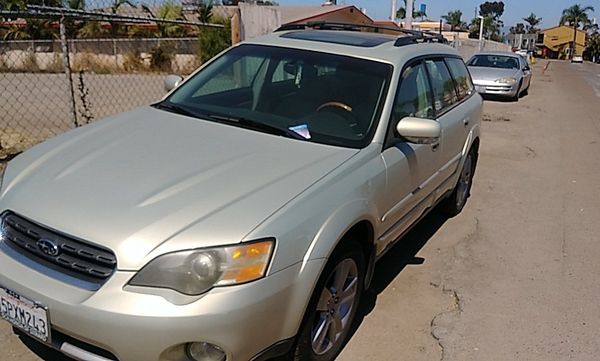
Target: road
point(513, 277)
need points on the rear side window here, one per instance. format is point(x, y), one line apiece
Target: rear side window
point(444, 93)
point(459, 71)
point(414, 95)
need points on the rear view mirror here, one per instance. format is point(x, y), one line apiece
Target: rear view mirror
point(172, 81)
point(419, 130)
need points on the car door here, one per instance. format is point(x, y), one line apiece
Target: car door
point(526, 72)
point(456, 122)
point(409, 167)
point(450, 113)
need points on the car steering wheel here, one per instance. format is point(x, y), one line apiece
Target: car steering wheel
point(348, 115)
point(340, 105)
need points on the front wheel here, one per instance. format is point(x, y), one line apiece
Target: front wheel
point(456, 201)
point(333, 305)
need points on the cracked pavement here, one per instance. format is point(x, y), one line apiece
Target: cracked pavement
point(513, 277)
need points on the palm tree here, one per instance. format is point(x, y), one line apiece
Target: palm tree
point(170, 11)
point(593, 46)
point(576, 15)
point(401, 13)
point(204, 10)
point(454, 19)
point(533, 21)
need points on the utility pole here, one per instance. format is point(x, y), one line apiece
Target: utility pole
point(409, 14)
point(394, 9)
point(575, 23)
point(481, 20)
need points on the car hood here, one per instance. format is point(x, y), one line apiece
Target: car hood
point(480, 73)
point(148, 182)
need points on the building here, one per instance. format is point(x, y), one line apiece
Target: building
point(332, 13)
point(523, 41)
point(556, 42)
point(432, 26)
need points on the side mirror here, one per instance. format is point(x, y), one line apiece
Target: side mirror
point(526, 68)
point(172, 81)
point(419, 130)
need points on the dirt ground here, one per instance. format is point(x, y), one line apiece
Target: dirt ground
point(513, 277)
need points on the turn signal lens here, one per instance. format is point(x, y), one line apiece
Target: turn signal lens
point(194, 272)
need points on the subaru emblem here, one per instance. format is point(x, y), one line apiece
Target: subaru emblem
point(48, 247)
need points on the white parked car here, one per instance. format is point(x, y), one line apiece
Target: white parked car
point(240, 218)
point(577, 59)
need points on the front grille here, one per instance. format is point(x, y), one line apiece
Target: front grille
point(76, 258)
point(498, 88)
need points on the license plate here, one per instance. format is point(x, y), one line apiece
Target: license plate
point(24, 314)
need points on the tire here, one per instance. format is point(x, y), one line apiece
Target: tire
point(327, 314)
point(518, 95)
point(456, 201)
point(526, 91)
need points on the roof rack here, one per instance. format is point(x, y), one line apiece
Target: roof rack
point(410, 36)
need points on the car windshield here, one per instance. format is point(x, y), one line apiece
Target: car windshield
point(311, 96)
point(494, 61)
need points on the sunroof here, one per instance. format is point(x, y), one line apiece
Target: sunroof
point(365, 40)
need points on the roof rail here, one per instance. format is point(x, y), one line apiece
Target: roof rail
point(410, 36)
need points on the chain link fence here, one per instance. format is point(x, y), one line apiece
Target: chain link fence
point(66, 63)
point(63, 65)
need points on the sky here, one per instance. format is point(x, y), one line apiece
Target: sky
point(514, 10)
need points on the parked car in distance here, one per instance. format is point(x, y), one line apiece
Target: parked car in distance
point(577, 59)
point(240, 218)
point(523, 52)
point(502, 74)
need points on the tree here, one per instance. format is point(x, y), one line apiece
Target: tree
point(492, 9)
point(204, 10)
point(532, 21)
point(518, 29)
point(593, 46)
point(491, 12)
point(93, 29)
point(170, 11)
point(454, 19)
point(12, 5)
point(401, 13)
point(576, 15)
point(214, 40)
point(114, 9)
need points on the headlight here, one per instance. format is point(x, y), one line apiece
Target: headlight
point(196, 271)
point(506, 80)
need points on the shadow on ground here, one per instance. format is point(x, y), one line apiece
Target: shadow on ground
point(395, 260)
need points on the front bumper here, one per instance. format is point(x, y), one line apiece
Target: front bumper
point(243, 320)
point(499, 89)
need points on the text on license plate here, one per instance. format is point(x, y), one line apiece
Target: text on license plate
point(24, 314)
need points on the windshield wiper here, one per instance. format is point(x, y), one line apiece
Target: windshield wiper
point(174, 108)
point(229, 119)
point(252, 124)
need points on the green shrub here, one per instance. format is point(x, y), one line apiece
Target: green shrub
point(214, 40)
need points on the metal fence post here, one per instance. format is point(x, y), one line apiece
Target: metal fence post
point(67, 68)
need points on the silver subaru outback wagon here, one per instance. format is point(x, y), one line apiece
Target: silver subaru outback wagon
point(239, 218)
